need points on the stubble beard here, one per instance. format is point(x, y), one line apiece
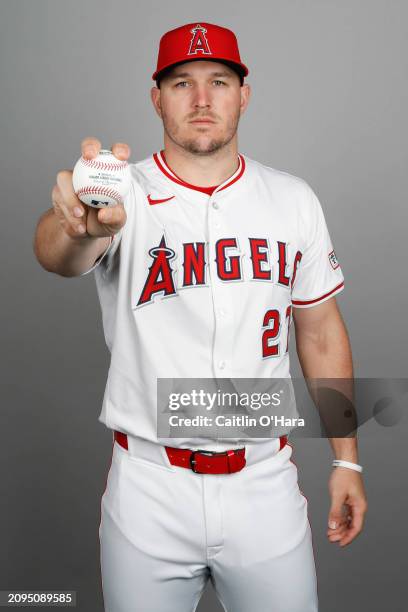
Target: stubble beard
point(196, 145)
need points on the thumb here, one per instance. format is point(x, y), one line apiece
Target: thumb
point(114, 216)
point(336, 513)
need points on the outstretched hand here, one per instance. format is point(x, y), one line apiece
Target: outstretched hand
point(77, 219)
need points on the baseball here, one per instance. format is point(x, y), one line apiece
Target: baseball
point(103, 181)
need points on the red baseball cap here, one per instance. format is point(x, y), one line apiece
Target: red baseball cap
point(195, 41)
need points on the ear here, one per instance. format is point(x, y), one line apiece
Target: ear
point(155, 97)
point(245, 95)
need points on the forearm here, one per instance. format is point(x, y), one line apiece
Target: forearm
point(324, 349)
point(58, 253)
point(326, 354)
point(345, 448)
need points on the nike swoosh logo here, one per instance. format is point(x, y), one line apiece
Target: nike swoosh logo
point(151, 201)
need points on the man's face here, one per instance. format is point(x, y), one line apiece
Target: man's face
point(200, 103)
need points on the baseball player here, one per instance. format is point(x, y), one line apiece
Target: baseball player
point(199, 274)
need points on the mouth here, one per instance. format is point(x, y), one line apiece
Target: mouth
point(203, 121)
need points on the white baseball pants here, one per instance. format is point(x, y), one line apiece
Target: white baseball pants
point(166, 530)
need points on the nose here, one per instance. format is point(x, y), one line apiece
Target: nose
point(201, 98)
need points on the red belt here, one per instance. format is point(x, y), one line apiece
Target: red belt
point(203, 461)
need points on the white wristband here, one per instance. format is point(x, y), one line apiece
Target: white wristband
point(347, 464)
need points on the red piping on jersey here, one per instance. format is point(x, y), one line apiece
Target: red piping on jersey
point(301, 302)
point(163, 166)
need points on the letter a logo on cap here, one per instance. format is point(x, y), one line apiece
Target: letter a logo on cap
point(199, 42)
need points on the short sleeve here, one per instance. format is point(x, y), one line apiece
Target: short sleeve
point(319, 275)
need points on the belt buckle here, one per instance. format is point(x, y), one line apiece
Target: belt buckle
point(209, 453)
point(203, 452)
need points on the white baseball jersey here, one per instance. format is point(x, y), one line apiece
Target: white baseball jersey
point(202, 282)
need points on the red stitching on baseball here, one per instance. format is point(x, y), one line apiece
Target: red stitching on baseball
point(104, 191)
point(99, 165)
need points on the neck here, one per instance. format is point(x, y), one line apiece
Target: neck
point(202, 170)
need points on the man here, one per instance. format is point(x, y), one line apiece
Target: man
point(175, 267)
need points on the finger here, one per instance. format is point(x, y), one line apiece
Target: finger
point(114, 217)
point(121, 150)
point(343, 524)
point(55, 193)
point(66, 204)
point(71, 200)
point(339, 529)
point(90, 147)
point(340, 534)
point(336, 514)
point(334, 539)
point(74, 228)
point(356, 527)
point(350, 536)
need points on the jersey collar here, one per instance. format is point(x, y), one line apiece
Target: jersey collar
point(161, 163)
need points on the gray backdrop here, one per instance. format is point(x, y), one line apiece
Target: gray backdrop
point(329, 104)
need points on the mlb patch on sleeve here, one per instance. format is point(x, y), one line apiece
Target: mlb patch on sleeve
point(333, 260)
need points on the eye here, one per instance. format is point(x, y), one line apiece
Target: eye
point(181, 83)
point(218, 81)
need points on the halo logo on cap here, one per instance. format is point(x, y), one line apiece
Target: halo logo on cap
point(199, 42)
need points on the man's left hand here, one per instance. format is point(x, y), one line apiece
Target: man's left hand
point(348, 505)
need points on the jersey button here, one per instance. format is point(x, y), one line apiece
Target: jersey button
point(223, 312)
point(222, 365)
point(215, 205)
